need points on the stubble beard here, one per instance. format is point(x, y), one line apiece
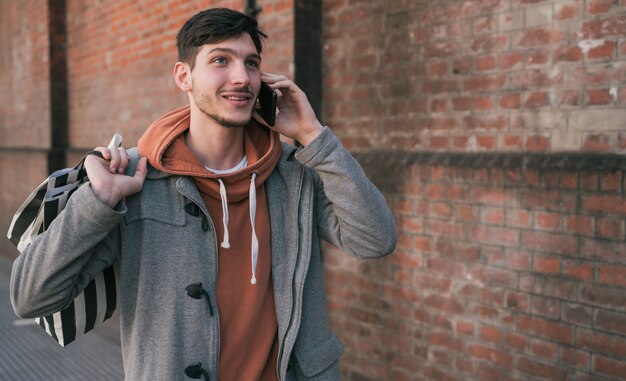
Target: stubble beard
point(208, 107)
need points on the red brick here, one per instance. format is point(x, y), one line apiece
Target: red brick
point(537, 143)
point(606, 249)
point(576, 314)
point(519, 261)
point(484, 104)
point(421, 244)
point(538, 57)
point(438, 142)
point(489, 43)
point(547, 329)
point(508, 60)
point(606, 50)
point(491, 334)
point(599, 6)
point(602, 296)
point(611, 204)
point(448, 192)
point(609, 366)
point(549, 286)
point(485, 63)
point(568, 54)
point(610, 321)
point(461, 103)
point(612, 274)
point(599, 28)
point(547, 220)
point(516, 342)
point(538, 369)
point(544, 349)
point(580, 224)
point(611, 181)
point(542, 36)
point(492, 216)
point(444, 340)
point(517, 301)
point(549, 243)
point(601, 343)
point(494, 356)
point(573, 357)
point(438, 68)
point(465, 327)
point(599, 97)
point(484, 83)
point(612, 228)
point(578, 269)
point(547, 264)
point(496, 236)
point(566, 11)
point(511, 101)
point(492, 276)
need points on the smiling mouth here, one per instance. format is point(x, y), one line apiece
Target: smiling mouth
point(237, 98)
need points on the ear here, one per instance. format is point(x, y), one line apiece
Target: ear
point(182, 76)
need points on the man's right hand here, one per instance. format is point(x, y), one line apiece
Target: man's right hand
point(107, 178)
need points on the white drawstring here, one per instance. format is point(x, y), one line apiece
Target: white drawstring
point(254, 250)
point(225, 242)
point(254, 255)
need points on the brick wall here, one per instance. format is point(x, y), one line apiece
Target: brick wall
point(502, 271)
point(499, 274)
point(491, 75)
point(24, 104)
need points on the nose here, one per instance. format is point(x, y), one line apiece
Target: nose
point(240, 75)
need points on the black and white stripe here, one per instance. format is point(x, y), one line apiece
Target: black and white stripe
point(98, 300)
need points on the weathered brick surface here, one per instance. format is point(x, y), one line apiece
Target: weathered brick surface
point(528, 285)
point(24, 61)
point(498, 75)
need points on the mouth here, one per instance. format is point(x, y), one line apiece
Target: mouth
point(237, 97)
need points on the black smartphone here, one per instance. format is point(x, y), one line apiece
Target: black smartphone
point(267, 104)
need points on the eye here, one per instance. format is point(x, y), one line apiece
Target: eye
point(253, 64)
point(220, 60)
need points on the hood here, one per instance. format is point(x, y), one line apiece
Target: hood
point(164, 145)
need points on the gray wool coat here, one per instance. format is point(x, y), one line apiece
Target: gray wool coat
point(315, 192)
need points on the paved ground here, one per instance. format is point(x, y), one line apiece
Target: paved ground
point(28, 353)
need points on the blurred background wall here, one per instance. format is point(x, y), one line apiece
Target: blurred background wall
point(495, 128)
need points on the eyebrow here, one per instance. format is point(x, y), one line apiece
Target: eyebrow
point(233, 52)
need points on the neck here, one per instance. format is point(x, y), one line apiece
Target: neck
point(214, 145)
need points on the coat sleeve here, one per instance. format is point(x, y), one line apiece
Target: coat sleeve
point(81, 241)
point(351, 212)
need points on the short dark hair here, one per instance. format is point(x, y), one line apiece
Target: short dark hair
point(212, 26)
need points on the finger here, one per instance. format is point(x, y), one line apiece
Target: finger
point(102, 150)
point(115, 162)
point(142, 169)
point(140, 174)
point(124, 158)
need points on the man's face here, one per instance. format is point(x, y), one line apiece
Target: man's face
point(226, 80)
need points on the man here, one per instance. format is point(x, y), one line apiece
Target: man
point(216, 232)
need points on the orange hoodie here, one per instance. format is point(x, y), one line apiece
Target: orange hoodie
point(245, 297)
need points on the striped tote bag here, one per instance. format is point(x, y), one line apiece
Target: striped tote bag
point(97, 302)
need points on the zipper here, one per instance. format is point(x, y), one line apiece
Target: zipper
point(281, 347)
